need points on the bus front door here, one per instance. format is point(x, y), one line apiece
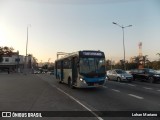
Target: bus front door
point(61, 76)
point(74, 70)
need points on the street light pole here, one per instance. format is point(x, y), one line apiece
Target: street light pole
point(27, 42)
point(123, 41)
point(26, 49)
point(124, 50)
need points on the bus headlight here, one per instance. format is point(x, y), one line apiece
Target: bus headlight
point(80, 79)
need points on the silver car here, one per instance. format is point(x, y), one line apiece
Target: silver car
point(119, 75)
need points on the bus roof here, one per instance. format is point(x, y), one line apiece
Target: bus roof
point(84, 53)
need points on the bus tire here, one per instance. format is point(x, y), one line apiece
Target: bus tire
point(70, 84)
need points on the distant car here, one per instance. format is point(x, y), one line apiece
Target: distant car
point(36, 72)
point(52, 72)
point(119, 75)
point(146, 74)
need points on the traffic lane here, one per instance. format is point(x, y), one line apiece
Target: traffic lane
point(55, 100)
point(112, 98)
point(147, 84)
point(110, 102)
point(142, 83)
point(148, 93)
point(30, 93)
point(154, 87)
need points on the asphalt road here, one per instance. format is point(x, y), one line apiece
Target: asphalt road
point(42, 92)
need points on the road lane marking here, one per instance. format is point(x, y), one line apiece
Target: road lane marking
point(105, 87)
point(99, 118)
point(135, 96)
point(115, 90)
point(131, 85)
point(122, 83)
point(158, 90)
point(147, 88)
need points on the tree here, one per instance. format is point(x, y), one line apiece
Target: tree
point(108, 64)
point(45, 66)
point(5, 51)
point(1, 53)
point(1, 58)
point(144, 60)
point(136, 60)
point(158, 55)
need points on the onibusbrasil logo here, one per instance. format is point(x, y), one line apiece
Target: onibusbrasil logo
point(21, 114)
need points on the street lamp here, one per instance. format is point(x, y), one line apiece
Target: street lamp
point(123, 40)
point(29, 25)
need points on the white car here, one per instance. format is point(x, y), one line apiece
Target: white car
point(119, 75)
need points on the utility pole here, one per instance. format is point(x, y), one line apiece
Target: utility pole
point(123, 41)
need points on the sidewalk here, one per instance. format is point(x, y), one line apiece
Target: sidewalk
point(19, 91)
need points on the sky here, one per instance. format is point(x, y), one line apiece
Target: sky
point(73, 25)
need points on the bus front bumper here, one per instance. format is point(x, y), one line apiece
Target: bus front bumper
point(84, 84)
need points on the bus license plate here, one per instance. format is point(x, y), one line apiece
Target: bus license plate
point(96, 84)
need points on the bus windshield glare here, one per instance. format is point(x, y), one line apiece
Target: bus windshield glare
point(92, 65)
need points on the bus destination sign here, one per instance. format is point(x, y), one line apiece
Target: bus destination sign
point(91, 53)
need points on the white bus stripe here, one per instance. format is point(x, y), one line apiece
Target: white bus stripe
point(99, 118)
point(135, 96)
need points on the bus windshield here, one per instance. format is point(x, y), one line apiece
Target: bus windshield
point(92, 65)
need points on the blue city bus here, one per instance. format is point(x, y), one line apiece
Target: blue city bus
point(82, 69)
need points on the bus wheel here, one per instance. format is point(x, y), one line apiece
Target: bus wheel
point(60, 81)
point(70, 83)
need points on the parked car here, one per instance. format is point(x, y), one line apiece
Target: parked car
point(119, 75)
point(51, 72)
point(36, 72)
point(146, 74)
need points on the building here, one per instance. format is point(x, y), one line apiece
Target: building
point(17, 63)
point(13, 62)
point(31, 62)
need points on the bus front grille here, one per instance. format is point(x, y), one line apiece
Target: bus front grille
point(92, 83)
